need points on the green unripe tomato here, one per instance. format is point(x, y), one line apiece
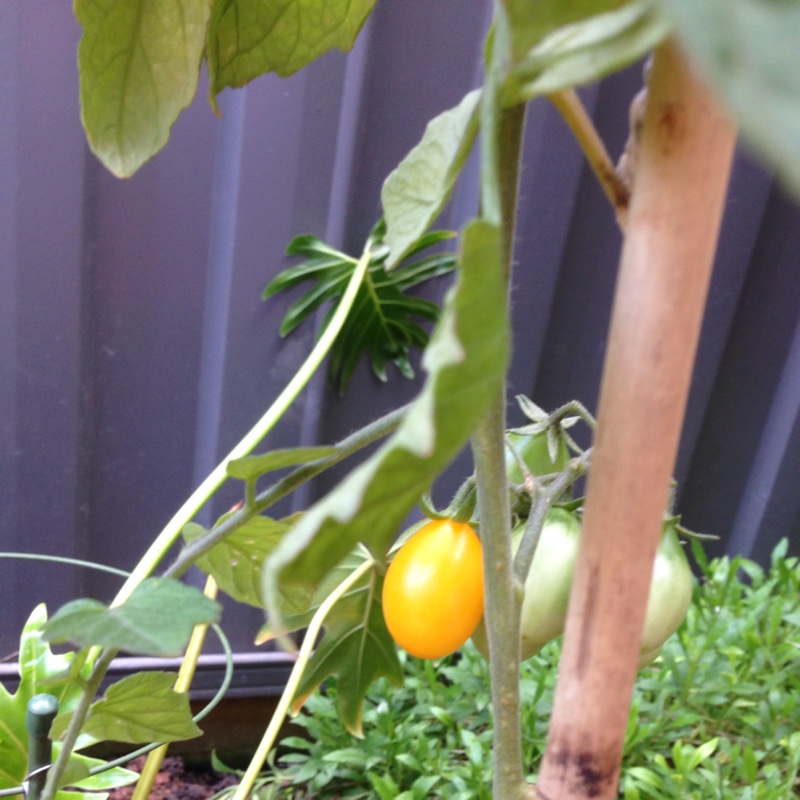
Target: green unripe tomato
point(547, 587)
point(549, 583)
point(535, 454)
point(670, 595)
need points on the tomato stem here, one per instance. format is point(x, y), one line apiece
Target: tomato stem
point(542, 503)
point(502, 591)
point(272, 494)
point(571, 108)
point(244, 789)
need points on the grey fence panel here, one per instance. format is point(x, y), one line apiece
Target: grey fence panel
point(135, 349)
point(41, 206)
point(751, 366)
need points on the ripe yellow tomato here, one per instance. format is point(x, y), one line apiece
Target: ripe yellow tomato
point(433, 590)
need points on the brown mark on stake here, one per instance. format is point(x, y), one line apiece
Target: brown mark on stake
point(591, 774)
point(594, 776)
point(671, 127)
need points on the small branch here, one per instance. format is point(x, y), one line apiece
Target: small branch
point(76, 723)
point(271, 733)
point(542, 503)
point(201, 495)
point(346, 447)
point(101, 658)
point(571, 109)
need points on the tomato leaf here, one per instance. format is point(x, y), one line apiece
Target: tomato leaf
point(250, 468)
point(99, 782)
point(382, 321)
point(466, 360)
point(138, 709)
point(139, 63)
point(293, 617)
point(42, 671)
point(156, 620)
point(587, 50)
point(356, 649)
point(748, 49)
point(247, 38)
point(416, 190)
point(237, 561)
point(530, 22)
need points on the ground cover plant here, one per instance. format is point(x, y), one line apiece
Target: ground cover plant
point(716, 717)
point(323, 569)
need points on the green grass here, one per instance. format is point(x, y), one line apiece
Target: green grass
point(716, 717)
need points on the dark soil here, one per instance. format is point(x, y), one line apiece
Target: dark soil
point(175, 782)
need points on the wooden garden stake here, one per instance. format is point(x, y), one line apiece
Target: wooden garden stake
point(677, 199)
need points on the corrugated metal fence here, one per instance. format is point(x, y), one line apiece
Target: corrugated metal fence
point(135, 349)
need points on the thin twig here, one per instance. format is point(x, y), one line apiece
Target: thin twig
point(571, 108)
point(544, 501)
point(346, 447)
point(76, 722)
point(270, 734)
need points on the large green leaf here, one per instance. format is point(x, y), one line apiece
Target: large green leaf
point(531, 22)
point(42, 671)
point(247, 38)
point(249, 468)
point(356, 649)
point(587, 50)
point(139, 62)
point(750, 51)
point(138, 709)
point(295, 618)
point(466, 361)
point(415, 192)
point(238, 560)
point(156, 620)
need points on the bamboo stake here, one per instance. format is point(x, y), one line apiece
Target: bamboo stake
point(676, 208)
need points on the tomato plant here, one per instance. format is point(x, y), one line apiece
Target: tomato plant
point(433, 589)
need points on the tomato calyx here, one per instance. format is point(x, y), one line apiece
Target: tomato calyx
point(551, 431)
point(461, 508)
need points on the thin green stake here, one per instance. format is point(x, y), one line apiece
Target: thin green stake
point(42, 710)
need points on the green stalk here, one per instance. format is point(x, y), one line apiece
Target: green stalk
point(202, 494)
point(541, 505)
point(196, 501)
point(502, 590)
point(309, 640)
point(183, 683)
point(346, 447)
point(76, 723)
